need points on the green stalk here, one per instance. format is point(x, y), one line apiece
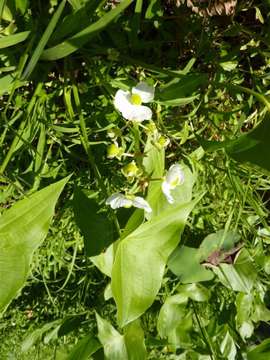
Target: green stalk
point(87, 148)
point(137, 140)
point(205, 336)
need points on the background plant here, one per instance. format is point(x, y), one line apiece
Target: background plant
point(61, 65)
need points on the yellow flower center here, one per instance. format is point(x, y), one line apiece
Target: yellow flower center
point(174, 182)
point(136, 99)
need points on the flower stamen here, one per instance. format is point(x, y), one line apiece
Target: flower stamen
point(136, 99)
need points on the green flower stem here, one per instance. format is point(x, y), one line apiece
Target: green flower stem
point(205, 336)
point(137, 140)
point(87, 148)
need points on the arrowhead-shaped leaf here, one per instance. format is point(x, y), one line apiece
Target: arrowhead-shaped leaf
point(23, 227)
point(140, 261)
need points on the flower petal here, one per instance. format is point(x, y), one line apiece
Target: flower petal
point(166, 189)
point(140, 203)
point(145, 91)
point(118, 200)
point(175, 176)
point(139, 113)
point(122, 103)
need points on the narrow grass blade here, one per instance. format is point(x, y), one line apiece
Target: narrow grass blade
point(75, 42)
point(43, 41)
point(75, 21)
point(13, 39)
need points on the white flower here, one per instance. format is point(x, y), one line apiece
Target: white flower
point(118, 200)
point(174, 177)
point(129, 103)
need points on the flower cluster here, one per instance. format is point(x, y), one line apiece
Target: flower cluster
point(174, 177)
point(129, 104)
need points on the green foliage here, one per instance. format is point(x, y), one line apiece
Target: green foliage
point(96, 228)
point(23, 228)
point(62, 63)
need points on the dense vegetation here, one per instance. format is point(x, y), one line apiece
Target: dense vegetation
point(175, 265)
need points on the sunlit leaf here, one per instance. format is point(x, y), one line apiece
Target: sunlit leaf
point(185, 263)
point(142, 255)
point(23, 227)
point(113, 342)
point(134, 339)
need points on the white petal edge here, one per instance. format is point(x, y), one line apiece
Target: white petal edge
point(118, 200)
point(139, 113)
point(145, 91)
point(140, 203)
point(122, 103)
point(166, 189)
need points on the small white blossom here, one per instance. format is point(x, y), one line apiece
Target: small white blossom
point(118, 200)
point(174, 177)
point(129, 103)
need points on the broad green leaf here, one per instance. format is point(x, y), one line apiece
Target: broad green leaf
point(260, 352)
point(175, 321)
point(43, 41)
point(96, 228)
point(222, 239)
point(260, 311)
point(113, 342)
point(185, 263)
point(13, 39)
point(134, 339)
point(77, 41)
point(195, 292)
point(142, 256)
point(171, 314)
point(85, 347)
point(23, 227)
point(240, 276)
point(244, 309)
point(134, 221)
point(104, 261)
